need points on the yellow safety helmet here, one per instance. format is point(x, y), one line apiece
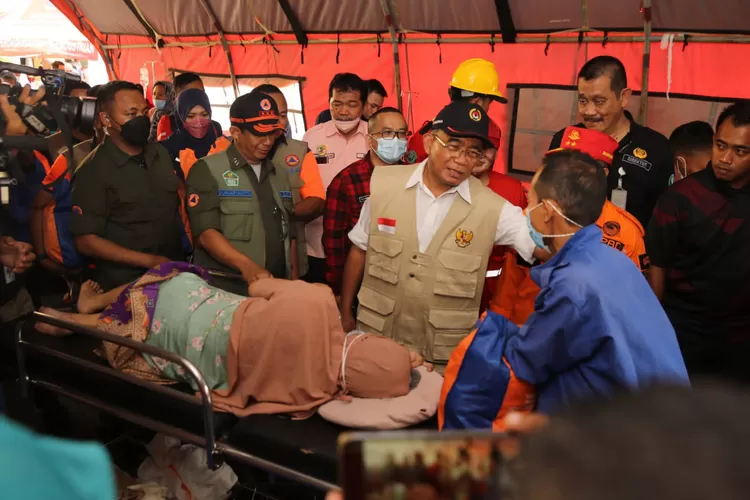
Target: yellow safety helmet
point(478, 76)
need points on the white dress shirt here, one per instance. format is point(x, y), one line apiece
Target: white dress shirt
point(511, 229)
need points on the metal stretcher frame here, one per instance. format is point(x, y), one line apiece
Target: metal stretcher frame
point(215, 450)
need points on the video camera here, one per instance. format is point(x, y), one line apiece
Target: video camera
point(55, 112)
point(78, 112)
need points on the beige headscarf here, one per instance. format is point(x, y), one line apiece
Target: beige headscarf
point(374, 367)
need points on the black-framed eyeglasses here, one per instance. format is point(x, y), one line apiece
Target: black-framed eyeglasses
point(390, 134)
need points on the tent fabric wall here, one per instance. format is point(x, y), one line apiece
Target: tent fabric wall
point(132, 39)
point(699, 69)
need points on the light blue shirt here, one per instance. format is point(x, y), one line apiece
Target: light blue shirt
point(597, 327)
point(35, 467)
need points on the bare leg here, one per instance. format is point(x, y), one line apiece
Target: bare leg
point(89, 320)
point(92, 300)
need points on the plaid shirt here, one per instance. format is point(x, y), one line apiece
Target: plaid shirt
point(344, 199)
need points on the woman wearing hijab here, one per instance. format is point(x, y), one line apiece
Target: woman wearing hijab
point(254, 355)
point(164, 99)
point(194, 134)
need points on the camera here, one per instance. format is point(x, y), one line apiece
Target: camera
point(51, 122)
point(78, 113)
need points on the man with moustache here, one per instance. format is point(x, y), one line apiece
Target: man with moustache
point(240, 203)
point(423, 240)
point(642, 167)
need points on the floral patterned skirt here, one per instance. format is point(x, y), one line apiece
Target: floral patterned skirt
point(193, 319)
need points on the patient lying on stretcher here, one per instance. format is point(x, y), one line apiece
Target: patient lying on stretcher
point(282, 350)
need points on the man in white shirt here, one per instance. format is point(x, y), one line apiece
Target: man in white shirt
point(424, 237)
point(336, 145)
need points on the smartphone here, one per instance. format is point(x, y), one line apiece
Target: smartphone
point(424, 465)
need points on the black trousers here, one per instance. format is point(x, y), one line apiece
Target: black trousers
point(714, 356)
point(316, 270)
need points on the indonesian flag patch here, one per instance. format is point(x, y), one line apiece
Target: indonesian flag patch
point(387, 225)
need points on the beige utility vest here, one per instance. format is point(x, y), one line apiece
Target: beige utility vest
point(427, 301)
point(289, 156)
point(241, 220)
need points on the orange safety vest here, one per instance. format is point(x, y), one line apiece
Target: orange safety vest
point(478, 392)
point(188, 159)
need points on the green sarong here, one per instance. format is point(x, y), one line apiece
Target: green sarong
point(193, 319)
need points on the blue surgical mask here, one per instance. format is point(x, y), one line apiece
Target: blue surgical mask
point(159, 103)
point(536, 236)
point(391, 150)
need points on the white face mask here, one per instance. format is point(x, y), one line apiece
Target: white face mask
point(346, 126)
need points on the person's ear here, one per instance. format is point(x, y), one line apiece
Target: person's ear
point(372, 142)
point(625, 97)
point(235, 132)
point(428, 140)
point(104, 119)
point(547, 210)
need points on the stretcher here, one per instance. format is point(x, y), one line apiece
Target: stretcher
point(303, 451)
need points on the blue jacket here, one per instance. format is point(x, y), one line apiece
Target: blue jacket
point(597, 327)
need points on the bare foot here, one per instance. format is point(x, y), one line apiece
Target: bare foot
point(48, 329)
point(89, 300)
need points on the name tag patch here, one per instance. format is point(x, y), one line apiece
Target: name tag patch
point(235, 193)
point(294, 170)
point(287, 195)
point(387, 225)
point(644, 164)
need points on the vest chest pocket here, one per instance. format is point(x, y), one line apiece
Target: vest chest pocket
point(448, 327)
point(384, 260)
point(374, 308)
point(237, 218)
point(457, 274)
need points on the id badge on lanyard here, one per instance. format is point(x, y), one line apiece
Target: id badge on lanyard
point(620, 195)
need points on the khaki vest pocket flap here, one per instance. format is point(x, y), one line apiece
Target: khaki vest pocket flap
point(234, 206)
point(375, 301)
point(387, 246)
point(453, 319)
point(455, 288)
point(371, 320)
point(460, 261)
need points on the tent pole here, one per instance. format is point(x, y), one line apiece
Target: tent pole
point(694, 38)
point(391, 20)
point(642, 113)
point(224, 45)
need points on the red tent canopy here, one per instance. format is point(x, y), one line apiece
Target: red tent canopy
point(530, 42)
